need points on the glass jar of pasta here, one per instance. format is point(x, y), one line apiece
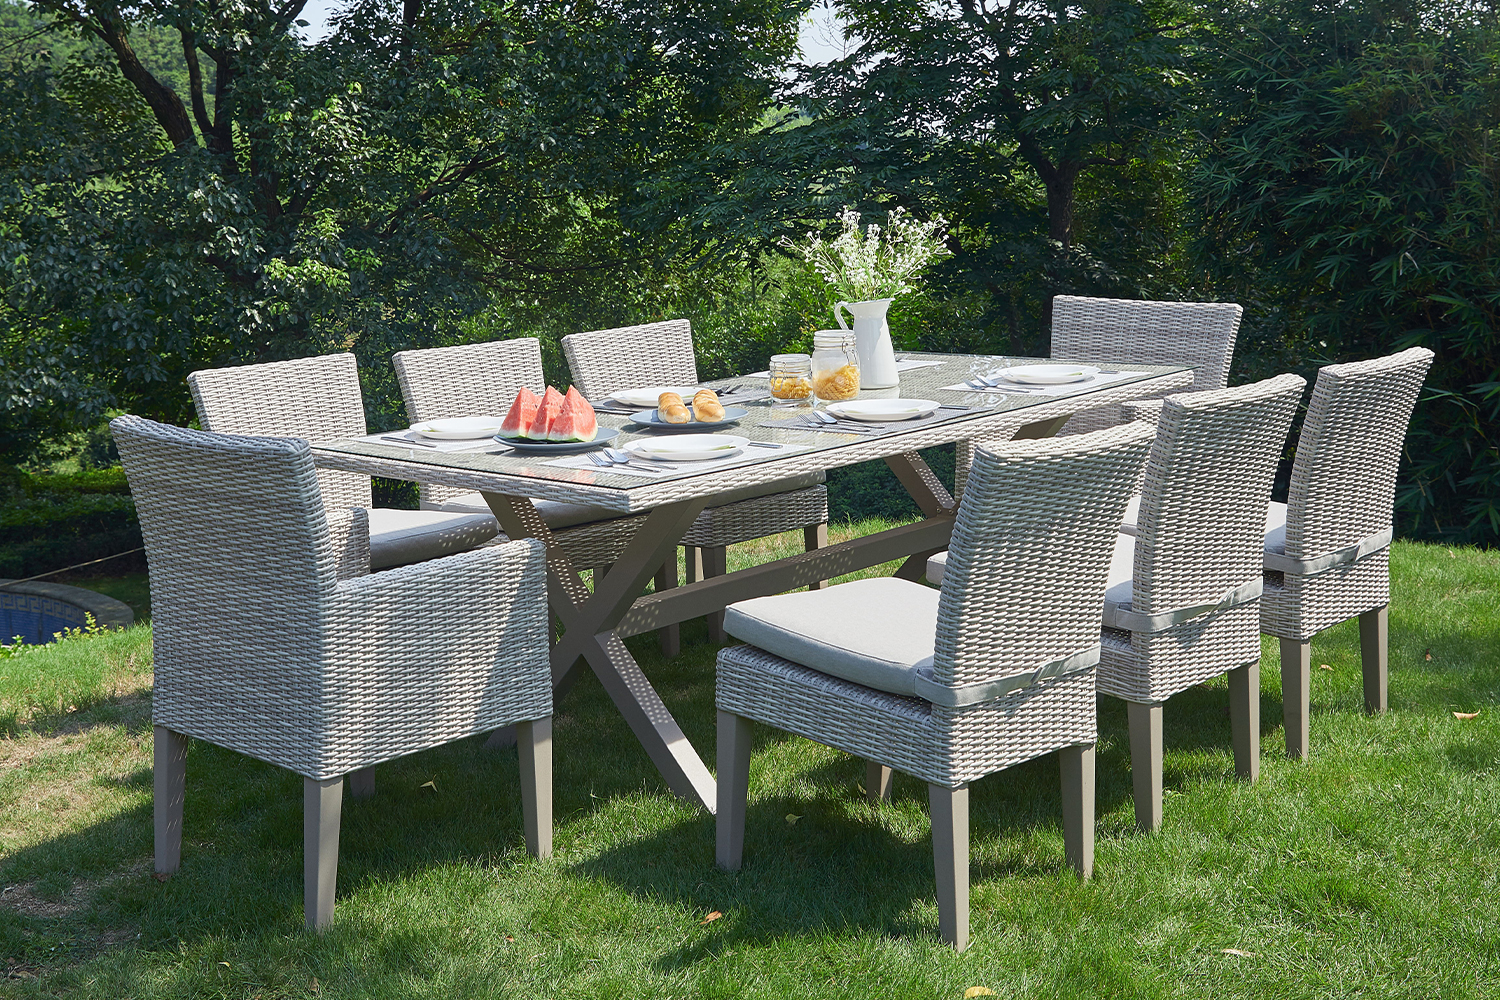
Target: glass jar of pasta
point(791, 380)
point(835, 366)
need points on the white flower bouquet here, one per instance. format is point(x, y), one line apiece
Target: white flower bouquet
point(874, 263)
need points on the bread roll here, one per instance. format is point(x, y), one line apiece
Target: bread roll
point(669, 407)
point(706, 405)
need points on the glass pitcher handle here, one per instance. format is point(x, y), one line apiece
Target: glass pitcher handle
point(838, 313)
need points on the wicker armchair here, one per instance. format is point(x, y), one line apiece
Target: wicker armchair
point(607, 361)
point(1327, 549)
point(1125, 331)
point(319, 399)
point(1182, 603)
point(995, 669)
point(273, 639)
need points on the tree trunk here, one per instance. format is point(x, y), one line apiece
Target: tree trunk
point(1060, 185)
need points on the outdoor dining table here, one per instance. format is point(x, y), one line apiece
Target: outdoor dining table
point(595, 623)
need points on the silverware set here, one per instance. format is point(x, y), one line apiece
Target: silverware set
point(608, 458)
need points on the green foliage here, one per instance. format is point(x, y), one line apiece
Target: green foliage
point(1351, 195)
point(48, 522)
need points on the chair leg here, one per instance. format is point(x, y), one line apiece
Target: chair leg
point(1244, 719)
point(692, 563)
point(715, 563)
point(362, 783)
point(669, 635)
point(950, 860)
point(1374, 656)
point(815, 536)
point(169, 785)
point(321, 802)
point(1296, 695)
point(1077, 766)
point(878, 782)
point(1145, 763)
point(534, 747)
point(733, 774)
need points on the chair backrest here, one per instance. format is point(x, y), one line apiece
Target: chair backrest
point(1148, 333)
point(1030, 550)
point(314, 398)
point(468, 380)
point(1208, 480)
point(236, 536)
point(630, 357)
point(1344, 476)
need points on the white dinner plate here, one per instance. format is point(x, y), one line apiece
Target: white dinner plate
point(883, 409)
point(648, 395)
point(458, 428)
point(689, 447)
point(1048, 374)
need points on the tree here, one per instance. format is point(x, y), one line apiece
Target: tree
point(363, 193)
point(1350, 185)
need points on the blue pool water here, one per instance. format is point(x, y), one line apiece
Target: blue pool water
point(35, 618)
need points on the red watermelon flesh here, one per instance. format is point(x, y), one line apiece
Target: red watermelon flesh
point(576, 421)
point(522, 413)
point(541, 426)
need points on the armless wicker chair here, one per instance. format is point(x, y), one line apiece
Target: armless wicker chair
point(994, 670)
point(319, 399)
point(1182, 602)
point(1327, 549)
point(1122, 331)
point(606, 361)
point(273, 639)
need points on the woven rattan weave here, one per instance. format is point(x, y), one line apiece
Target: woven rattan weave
point(271, 638)
point(1027, 566)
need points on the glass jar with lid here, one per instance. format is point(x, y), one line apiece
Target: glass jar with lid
point(835, 366)
point(791, 380)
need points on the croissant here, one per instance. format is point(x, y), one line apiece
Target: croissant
point(706, 405)
point(669, 407)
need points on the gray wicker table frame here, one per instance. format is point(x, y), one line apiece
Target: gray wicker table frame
point(595, 623)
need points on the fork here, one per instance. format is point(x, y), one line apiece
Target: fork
point(621, 457)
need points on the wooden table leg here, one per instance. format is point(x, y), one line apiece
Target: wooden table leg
point(588, 631)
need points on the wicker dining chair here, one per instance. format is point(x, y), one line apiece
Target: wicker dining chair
point(606, 361)
point(319, 399)
point(1127, 331)
point(1327, 549)
point(1182, 605)
point(995, 669)
point(273, 639)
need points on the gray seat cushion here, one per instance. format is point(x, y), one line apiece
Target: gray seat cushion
point(568, 515)
point(1119, 586)
point(872, 632)
point(935, 567)
point(401, 537)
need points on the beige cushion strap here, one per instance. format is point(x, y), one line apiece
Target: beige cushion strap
point(973, 694)
point(1121, 617)
point(1368, 545)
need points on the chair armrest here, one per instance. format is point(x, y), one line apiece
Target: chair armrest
point(425, 654)
point(1148, 410)
point(349, 534)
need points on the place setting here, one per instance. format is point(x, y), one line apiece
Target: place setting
point(631, 402)
point(1037, 379)
point(872, 416)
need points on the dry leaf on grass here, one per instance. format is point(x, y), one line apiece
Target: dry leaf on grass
point(225, 964)
point(978, 991)
point(1464, 715)
point(428, 784)
point(1324, 666)
point(1426, 654)
point(1236, 951)
point(791, 819)
point(711, 917)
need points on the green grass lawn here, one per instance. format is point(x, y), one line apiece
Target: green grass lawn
point(1372, 870)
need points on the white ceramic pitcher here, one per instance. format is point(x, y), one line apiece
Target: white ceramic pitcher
point(872, 341)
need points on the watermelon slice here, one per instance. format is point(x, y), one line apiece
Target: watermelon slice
point(576, 421)
point(522, 413)
point(541, 424)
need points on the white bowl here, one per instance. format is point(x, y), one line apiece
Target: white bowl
point(648, 395)
point(458, 428)
point(1048, 374)
point(689, 447)
point(883, 409)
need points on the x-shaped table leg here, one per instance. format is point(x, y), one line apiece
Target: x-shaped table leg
point(588, 622)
